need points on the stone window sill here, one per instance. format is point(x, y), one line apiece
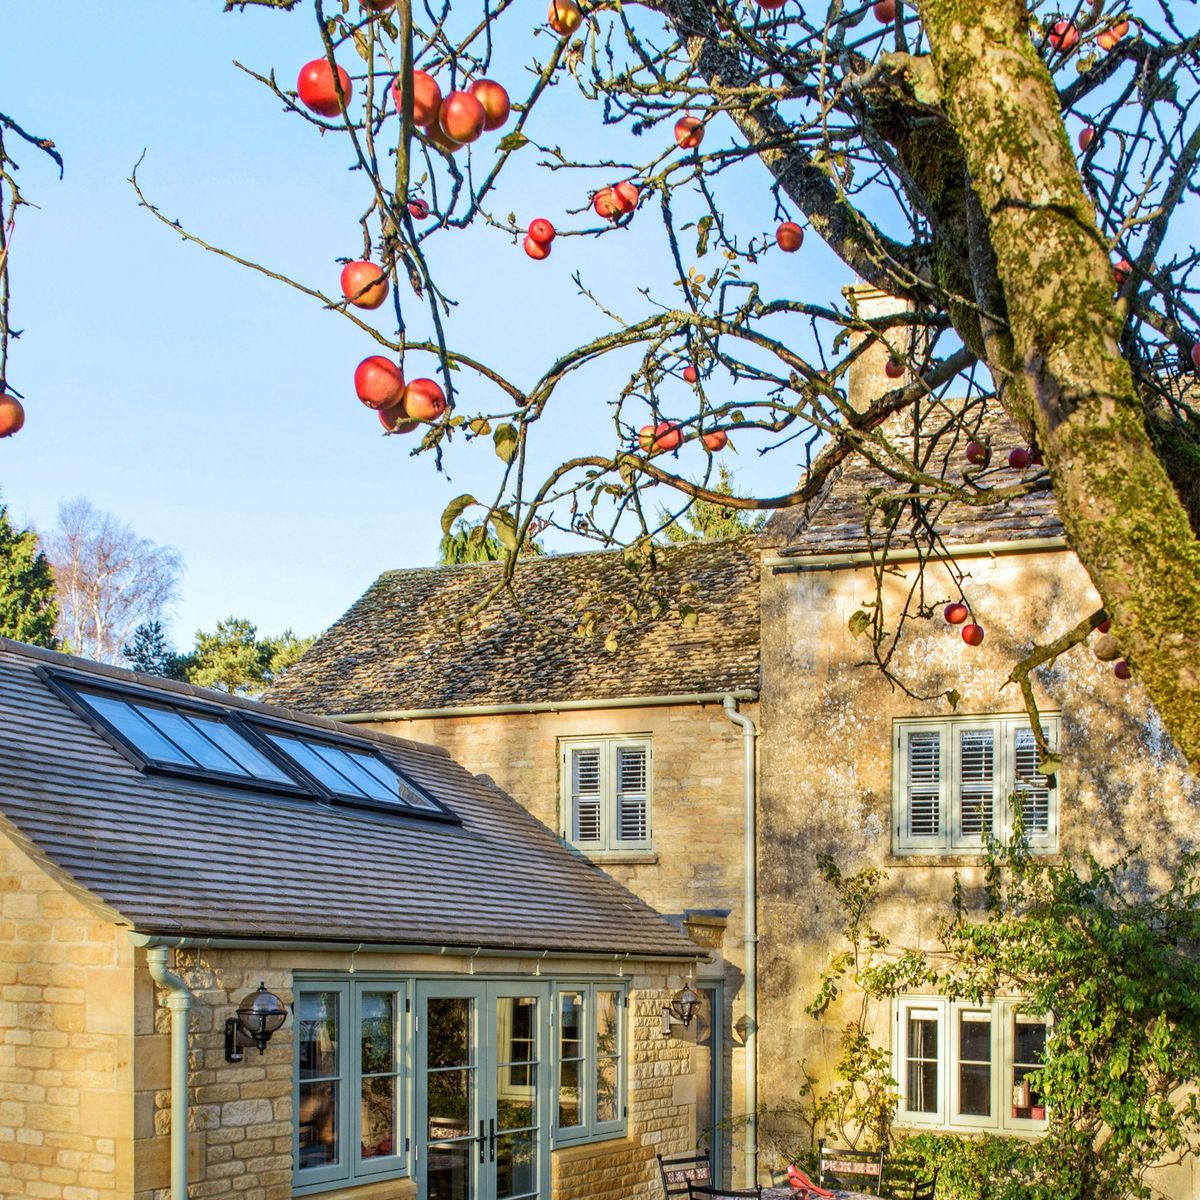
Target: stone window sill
point(626, 857)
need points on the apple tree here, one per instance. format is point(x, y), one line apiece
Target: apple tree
point(1021, 177)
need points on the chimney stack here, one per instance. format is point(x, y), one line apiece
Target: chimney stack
point(867, 380)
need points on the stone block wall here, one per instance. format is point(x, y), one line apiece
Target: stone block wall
point(66, 1041)
point(826, 767)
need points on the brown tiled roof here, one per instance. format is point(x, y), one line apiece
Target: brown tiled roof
point(834, 522)
point(176, 856)
point(397, 647)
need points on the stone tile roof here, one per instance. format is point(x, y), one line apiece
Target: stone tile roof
point(397, 648)
point(178, 856)
point(834, 522)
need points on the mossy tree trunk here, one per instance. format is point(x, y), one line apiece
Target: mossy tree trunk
point(1122, 514)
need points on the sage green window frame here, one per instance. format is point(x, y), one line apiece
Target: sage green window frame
point(352, 1167)
point(944, 793)
point(1003, 1015)
point(610, 821)
point(604, 1051)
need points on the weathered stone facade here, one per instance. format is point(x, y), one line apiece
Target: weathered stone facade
point(827, 767)
point(697, 819)
point(66, 1042)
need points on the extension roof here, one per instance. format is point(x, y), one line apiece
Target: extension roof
point(835, 521)
point(397, 647)
point(172, 856)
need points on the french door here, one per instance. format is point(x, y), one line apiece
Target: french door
point(482, 1090)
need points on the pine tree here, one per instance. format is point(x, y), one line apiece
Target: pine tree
point(28, 608)
point(149, 653)
point(707, 521)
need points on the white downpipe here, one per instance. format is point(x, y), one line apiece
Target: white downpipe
point(750, 936)
point(179, 1001)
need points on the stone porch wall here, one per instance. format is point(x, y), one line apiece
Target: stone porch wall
point(66, 1042)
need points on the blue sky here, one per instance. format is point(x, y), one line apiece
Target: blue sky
point(212, 408)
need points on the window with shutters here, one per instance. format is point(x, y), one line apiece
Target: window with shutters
point(606, 793)
point(961, 1065)
point(960, 780)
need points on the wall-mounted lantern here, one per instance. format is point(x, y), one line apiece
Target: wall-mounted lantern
point(681, 1010)
point(259, 1015)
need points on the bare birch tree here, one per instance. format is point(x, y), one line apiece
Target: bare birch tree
point(108, 579)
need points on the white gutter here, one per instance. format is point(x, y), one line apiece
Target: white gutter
point(165, 941)
point(547, 706)
point(179, 1001)
point(783, 563)
point(750, 934)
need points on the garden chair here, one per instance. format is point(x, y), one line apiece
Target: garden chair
point(680, 1171)
point(841, 1168)
point(697, 1192)
point(923, 1189)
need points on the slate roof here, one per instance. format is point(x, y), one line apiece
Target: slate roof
point(396, 648)
point(176, 856)
point(834, 522)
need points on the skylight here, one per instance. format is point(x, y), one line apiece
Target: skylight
point(199, 738)
point(351, 774)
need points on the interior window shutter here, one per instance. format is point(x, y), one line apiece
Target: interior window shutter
point(631, 793)
point(585, 793)
point(924, 775)
point(976, 783)
point(1029, 787)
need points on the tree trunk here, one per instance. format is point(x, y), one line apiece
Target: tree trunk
point(1122, 514)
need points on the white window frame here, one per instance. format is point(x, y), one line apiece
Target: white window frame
point(950, 837)
point(608, 749)
point(1003, 1014)
point(592, 1128)
point(352, 1167)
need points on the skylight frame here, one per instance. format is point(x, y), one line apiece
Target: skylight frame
point(437, 812)
point(73, 689)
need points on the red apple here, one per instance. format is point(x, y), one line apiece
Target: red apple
point(1063, 36)
point(1195, 356)
point(1111, 36)
point(395, 420)
point(424, 400)
point(564, 17)
point(1019, 458)
point(690, 374)
point(789, 237)
point(12, 415)
point(885, 11)
point(1104, 626)
point(606, 204)
point(771, 5)
point(536, 249)
point(1121, 270)
point(461, 117)
point(496, 105)
point(714, 440)
point(689, 132)
point(894, 368)
point(427, 97)
point(956, 613)
point(540, 230)
point(437, 138)
point(317, 89)
point(379, 382)
point(418, 209)
point(654, 439)
point(1086, 136)
point(627, 196)
point(377, 6)
point(972, 634)
point(364, 284)
point(1121, 669)
point(978, 455)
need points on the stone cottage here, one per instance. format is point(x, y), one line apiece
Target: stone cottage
point(249, 953)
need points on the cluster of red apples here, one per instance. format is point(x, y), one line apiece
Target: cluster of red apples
point(979, 454)
point(1106, 649)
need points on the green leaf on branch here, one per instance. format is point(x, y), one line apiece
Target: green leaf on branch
point(688, 616)
point(703, 226)
point(506, 529)
point(505, 441)
point(455, 509)
point(859, 623)
point(513, 141)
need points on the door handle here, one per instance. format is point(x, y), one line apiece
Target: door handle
point(481, 1139)
point(492, 1139)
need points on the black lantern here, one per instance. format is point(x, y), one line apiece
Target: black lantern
point(682, 1009)
point(259, 1015)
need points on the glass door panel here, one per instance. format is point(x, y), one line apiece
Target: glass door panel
point(517, 1153)
point(318, 1023)
point(451, 1086)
